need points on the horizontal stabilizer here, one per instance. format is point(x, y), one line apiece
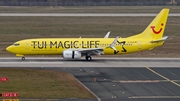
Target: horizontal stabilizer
point(163, 39)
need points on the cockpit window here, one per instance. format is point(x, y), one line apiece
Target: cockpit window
point(16, 44)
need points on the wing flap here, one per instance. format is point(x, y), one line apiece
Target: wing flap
point(92, 51)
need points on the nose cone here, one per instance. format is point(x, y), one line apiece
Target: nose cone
point(9, 49)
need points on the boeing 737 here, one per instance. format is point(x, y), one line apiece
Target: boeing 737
point(75, 48)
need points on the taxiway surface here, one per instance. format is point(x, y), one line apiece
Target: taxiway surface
point(96, 62)
point(129, 84)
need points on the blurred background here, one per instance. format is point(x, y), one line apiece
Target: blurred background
point(89, 2)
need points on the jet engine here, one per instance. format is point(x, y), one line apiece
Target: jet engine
point(71, 54)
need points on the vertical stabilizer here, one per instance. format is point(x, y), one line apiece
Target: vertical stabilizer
point(155, 29)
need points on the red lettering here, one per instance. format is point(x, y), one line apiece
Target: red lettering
point(3, 79)
point(10, 94)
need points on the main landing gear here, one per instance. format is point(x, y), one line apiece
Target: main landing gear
point(88, 58)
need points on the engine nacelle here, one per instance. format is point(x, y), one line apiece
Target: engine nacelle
point(71, 54)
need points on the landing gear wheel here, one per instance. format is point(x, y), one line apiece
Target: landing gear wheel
point(88, 58)
point(23, 58)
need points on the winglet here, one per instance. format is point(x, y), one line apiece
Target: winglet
point(113, 44)
point(107, 35)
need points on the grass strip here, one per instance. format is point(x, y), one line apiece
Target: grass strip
point(39, 83)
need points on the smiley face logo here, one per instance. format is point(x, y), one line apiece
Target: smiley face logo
point(156, 32)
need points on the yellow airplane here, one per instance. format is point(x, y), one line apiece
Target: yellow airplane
point(75, 48)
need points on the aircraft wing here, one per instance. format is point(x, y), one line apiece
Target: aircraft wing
point(97, 51)
point(92, 51)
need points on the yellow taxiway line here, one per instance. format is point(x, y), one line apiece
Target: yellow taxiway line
point(162, 76)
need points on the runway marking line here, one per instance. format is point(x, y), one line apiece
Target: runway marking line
point(136, 97)
point(163, 76)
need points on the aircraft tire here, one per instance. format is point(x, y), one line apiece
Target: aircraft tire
point(23, 58)
point(88, 58)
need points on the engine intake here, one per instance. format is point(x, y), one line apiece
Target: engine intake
point(70, 54)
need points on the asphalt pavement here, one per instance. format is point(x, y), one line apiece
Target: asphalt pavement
point(129, 84)
point(115, 79)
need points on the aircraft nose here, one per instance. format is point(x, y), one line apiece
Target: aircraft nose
point(9, 49)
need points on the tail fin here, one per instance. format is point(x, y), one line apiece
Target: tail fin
point(155, 29)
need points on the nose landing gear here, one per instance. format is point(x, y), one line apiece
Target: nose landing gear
point(23, 58)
